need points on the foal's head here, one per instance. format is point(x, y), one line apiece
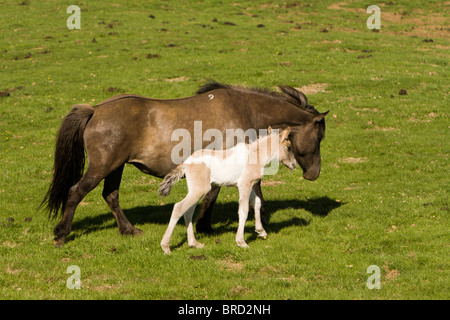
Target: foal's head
point(285, 154)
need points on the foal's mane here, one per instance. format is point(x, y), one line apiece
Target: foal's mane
point(288, 93)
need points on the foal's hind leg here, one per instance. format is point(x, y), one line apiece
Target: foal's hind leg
point(192, 242)
point(255, 202)
point(88, 182)
point(265, 217)
point(198, 182)
point(111, 196)
point(187, 205)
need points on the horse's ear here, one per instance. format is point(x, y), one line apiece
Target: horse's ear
point(269, 130)
point(297, 97)
point(321, 116)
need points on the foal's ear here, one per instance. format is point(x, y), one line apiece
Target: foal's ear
point(285, 133)
point(269, 130)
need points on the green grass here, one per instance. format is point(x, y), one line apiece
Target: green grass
point(381, 199)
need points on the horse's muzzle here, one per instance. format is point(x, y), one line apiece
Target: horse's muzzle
point(311, 174)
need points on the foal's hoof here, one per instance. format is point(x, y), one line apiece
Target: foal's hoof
point(197, 244)
point(166, 248)
point(262, 234)
point(242, 244)
point(59, 241)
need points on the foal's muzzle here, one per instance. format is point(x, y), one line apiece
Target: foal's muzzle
point(292, 165)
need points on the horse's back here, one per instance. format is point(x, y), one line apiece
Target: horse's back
point(139, 130)
point(121, 97)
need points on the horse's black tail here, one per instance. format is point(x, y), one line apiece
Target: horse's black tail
point(170, 179)
point(69, 159)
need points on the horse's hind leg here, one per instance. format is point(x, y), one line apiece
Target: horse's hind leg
point(203, 222)
point(111, 196)
point(88, 182)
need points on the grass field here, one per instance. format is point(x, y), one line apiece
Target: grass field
point(381, 199)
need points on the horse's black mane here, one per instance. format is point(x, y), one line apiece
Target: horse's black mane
point(288, 93)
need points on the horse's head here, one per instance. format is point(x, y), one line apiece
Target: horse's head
point(306, 145)
point(306, 137)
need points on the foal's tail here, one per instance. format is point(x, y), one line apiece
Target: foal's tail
point(170, 179)
point(69, 158)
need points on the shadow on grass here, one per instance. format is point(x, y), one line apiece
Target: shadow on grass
point(224, 215)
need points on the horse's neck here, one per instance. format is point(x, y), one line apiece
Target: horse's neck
point(279, 114)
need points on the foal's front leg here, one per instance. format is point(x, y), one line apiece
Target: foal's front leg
point(244, 195)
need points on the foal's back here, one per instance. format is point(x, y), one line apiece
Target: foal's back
point(226, 166)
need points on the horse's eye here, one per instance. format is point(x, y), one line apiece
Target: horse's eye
point(289, 149)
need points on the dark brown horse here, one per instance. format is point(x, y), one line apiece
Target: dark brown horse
point(138, 130)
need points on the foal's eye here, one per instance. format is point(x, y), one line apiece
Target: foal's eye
point(289, 149)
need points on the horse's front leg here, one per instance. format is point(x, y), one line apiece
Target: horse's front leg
point(244, 195)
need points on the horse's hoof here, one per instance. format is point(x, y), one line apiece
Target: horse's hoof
point(59, 241)
point(137, 232)
point(134, 232)
point(263, 237)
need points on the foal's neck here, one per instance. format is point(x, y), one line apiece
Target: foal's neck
point(264, 149)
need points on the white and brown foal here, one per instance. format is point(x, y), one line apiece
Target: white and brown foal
point(241, 166)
